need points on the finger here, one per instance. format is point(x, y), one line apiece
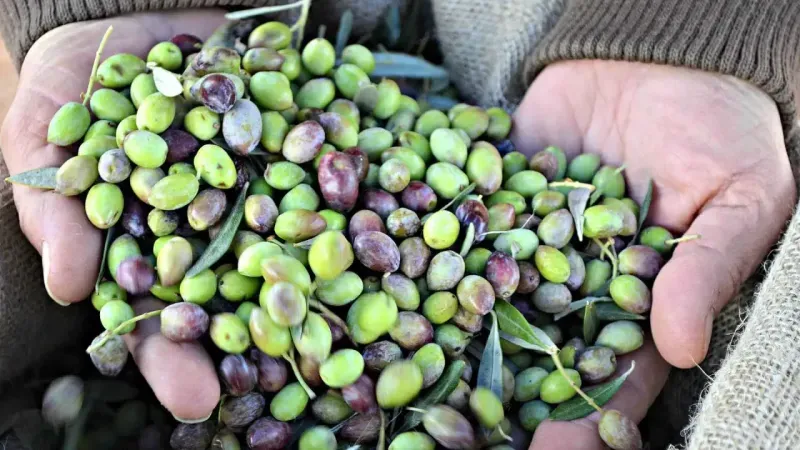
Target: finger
point(55, 225)
point(638, 392)
point(737, 229)
point(182, 376)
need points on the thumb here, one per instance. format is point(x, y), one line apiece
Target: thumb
point(737, 228)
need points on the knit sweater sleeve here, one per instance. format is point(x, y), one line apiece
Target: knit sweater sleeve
point(757, 41)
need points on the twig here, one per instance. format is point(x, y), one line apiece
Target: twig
point(560, 367)
point(120, 328)
point(96, 64)
point(299, 375)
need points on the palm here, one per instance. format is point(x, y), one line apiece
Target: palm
point(56, 71)
point(713, 147)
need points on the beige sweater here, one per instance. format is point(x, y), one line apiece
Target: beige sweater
point(494, 49)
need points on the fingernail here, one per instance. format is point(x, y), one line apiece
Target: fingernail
point(191, 421)
point(46, 274)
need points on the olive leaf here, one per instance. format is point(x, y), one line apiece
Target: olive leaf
point(44, 178)
point(603, 290)
point(577, 200)
point(643, 211)
point(222, 242)
point(167, 83)
point(490, 371)
point(577, 408)
point(246, 13)
point(578, 305)
point(392, 25)
point(590, 323)
point(513, 323)
point(76, 429)
point(401, 65)
point(611, 312)
point(109, 239)
point(438, 393)
point(345, 28)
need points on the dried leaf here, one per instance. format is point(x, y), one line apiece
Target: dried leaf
point(167, 82)
point(590, 323)
point(577, 200)
point(401, 65)
point(222, 242)
point(438, 393)
point(577, 408)
point(44, 178)
point(513, 323)
point(612, 312)
point(643, 211)
point(345, 28)
point(490, 371)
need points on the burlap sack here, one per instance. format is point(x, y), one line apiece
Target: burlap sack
point(485, 44)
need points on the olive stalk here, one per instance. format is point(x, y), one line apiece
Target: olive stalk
point(684, 238)
point(289, 357)
point(118, 330)
point(96, 64)
point(611, 254)
point(330, 315)
point(382, 433)
point(572, 184)
point(563, 372)
point(300, 25)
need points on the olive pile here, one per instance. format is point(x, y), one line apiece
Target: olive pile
point(401, 276)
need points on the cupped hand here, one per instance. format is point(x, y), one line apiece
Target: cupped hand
point(55, 71)
point(714, 148)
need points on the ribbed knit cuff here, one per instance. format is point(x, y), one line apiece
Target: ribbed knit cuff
point(22, 22)
point(755, 40)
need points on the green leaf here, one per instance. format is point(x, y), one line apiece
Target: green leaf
point(512, 322)
point(109, 239)
point(222, 242)
point(490, 371)
point(469, 238)
point(401, 65)
point(643, 211)
point(603, 290)
point(577, 200)
point(577, 408)
point(392, 24)
point(578, 305)
point(44, 178)
point(612, 312)
point(438, 393)
point(345, 28)
point(590, 323)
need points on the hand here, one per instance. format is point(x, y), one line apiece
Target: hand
point(714, 148)
point(55, 71)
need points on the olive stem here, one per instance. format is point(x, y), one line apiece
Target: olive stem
point(382, 433)
point(458, 196)
point(503, 434)
point(296, 370)
point(684, 238)
point(560, 367)
point(416, 410)
point(614, 259)
point(574, 184)
point(620, 169)
point(96, 64)
point(118, 330)
point(330, 315)
point(300, 25)
point(237, 15)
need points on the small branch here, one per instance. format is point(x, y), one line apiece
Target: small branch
point(614, 259)
point(560, 367)
point(299, 375)
point(96, 64)
point(118, 330)
point(300, 25)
